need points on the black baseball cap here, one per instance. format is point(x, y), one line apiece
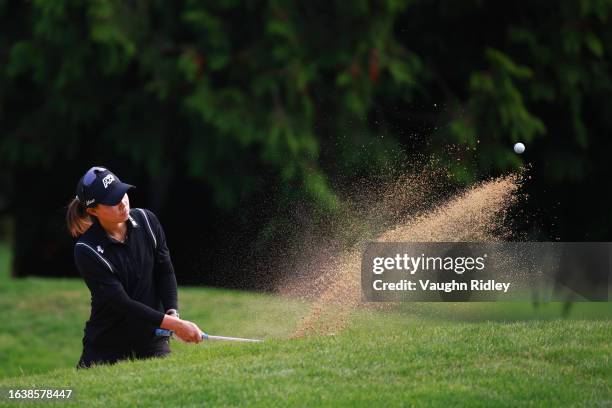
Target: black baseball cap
point(100, 186)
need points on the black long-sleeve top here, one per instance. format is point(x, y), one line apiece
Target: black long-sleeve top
point(132, 283)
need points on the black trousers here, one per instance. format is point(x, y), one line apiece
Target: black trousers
point(92, 356)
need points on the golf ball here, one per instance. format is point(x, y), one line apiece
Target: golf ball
point(519, 148)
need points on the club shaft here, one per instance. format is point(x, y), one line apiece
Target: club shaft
point(224, 338)
point(169, 333)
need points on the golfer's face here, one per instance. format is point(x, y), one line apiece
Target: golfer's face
point(114, 213)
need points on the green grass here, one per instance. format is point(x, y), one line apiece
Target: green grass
point(470, 354)
point(46, 318)
point(5, 261)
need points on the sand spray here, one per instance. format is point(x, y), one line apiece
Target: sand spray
point(414, 207)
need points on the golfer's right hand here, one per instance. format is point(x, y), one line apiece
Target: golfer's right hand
point(188, 332)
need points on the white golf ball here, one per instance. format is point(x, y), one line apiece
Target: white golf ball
point(519, 148)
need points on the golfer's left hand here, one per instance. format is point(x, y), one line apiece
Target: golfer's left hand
point(189, 332)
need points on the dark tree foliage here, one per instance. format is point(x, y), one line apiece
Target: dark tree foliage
point(234, 116)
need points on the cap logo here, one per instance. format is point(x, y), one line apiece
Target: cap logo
point(90, 201)
point(107, 180)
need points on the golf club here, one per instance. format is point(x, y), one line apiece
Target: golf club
point(169, 333)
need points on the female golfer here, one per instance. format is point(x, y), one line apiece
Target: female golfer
point(123, 258)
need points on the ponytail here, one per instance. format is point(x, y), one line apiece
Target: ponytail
point(77, 218)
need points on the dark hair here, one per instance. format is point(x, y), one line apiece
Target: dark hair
point(77, 219)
